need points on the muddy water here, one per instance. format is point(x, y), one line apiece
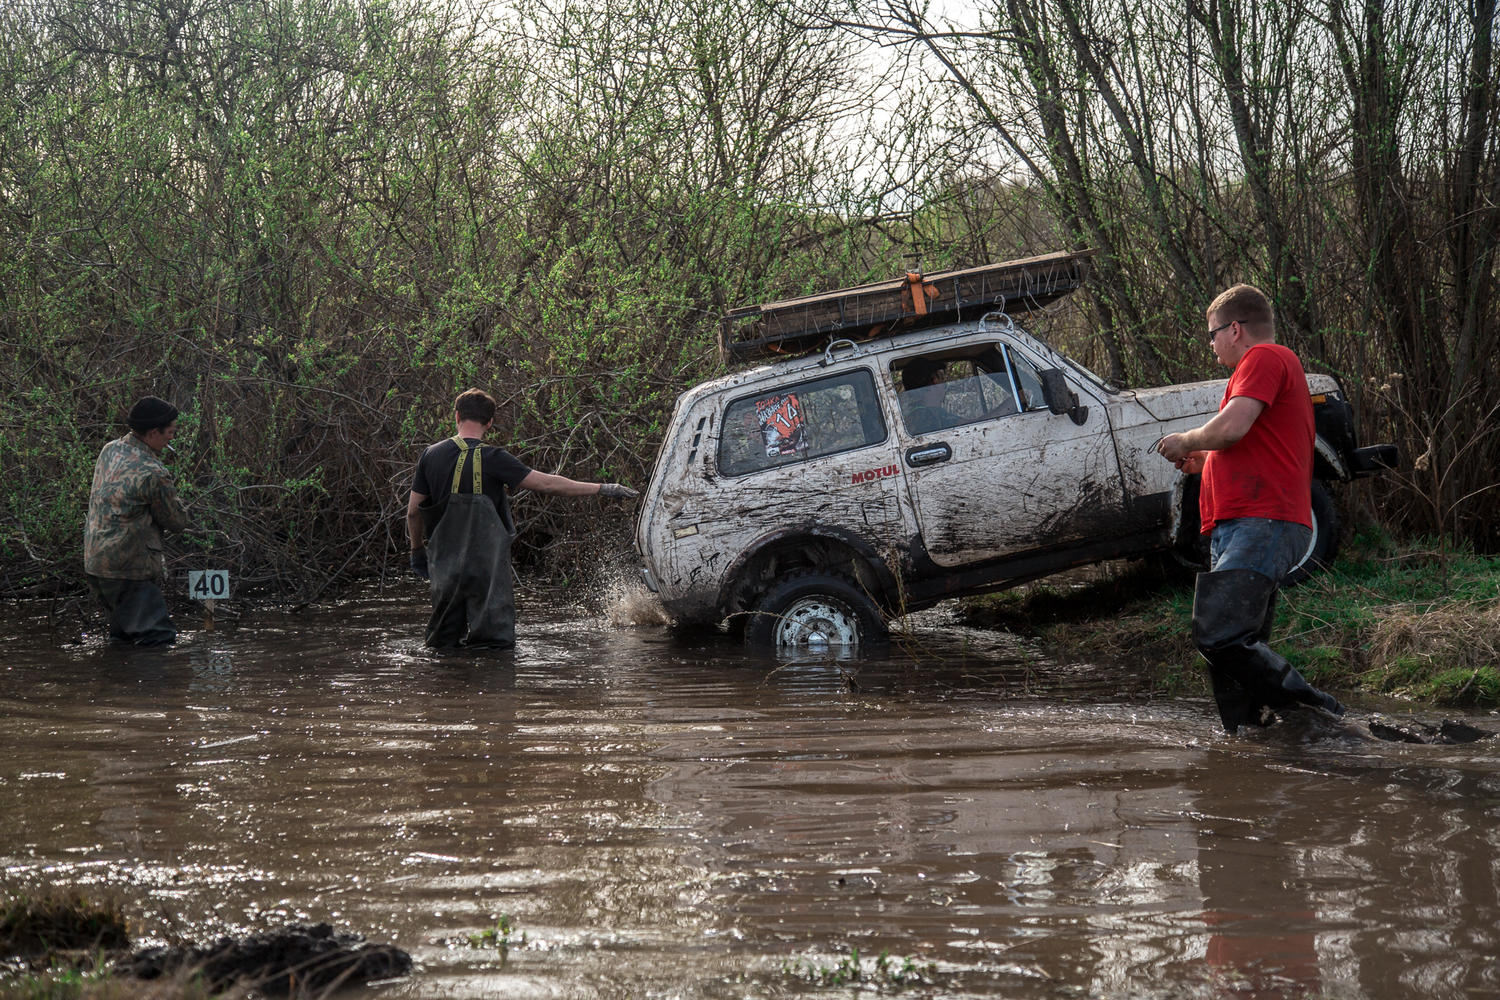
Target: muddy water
point(670, 817)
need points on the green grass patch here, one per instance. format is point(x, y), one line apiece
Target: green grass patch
point(60, 944)
point(501, 936)
point(884, 971)
point(75, 984)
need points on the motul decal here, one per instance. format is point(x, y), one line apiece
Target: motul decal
point(870, 475)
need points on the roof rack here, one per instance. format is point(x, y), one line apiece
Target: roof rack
point(864, 312)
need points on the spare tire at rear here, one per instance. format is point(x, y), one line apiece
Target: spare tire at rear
point(815, 611)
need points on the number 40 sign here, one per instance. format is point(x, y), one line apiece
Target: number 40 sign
point(208, 584)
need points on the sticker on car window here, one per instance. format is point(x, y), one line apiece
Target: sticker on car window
point(781, 425)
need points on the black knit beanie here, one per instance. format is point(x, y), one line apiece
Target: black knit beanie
point(149, 413)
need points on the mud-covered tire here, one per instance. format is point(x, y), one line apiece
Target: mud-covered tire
point(814, 611)
point(1324, 546)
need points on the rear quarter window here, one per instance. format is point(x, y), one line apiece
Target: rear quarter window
point(799, 422)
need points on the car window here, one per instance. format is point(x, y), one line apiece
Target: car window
point(936, 392)
point(800, 422)
point(1028, 382)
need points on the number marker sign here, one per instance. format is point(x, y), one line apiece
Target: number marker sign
point(208, 584)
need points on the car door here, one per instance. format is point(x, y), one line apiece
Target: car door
point(992, 472)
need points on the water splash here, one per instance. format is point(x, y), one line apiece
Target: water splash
point(627, 603)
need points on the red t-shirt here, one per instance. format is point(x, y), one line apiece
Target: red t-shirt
point(1268, 472)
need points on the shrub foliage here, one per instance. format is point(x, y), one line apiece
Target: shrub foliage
point(310, 223)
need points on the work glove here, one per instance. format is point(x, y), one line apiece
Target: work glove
point(617, 491)
point(419, 563)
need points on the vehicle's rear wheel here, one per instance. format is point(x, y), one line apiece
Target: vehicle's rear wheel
point(1324, 545)
point(812, 612)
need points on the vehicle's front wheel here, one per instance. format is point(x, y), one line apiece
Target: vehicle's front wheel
point(812, 612)
point(1324, 545)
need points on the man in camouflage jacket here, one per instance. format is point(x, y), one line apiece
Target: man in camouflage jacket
point(132, 501)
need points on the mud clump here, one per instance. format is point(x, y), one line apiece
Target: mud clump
point(297, 960)
point(1448, 731)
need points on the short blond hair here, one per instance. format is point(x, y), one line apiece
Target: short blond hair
point(1245, 303)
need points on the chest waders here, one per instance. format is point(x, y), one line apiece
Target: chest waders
point(468, 551)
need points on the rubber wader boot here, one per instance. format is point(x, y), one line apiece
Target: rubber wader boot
point(1264, 632)
point(1236, 707)
point(1231, 614)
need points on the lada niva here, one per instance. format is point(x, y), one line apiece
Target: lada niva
point(810, 499)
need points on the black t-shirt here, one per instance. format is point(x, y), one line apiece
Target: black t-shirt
point(434, 478)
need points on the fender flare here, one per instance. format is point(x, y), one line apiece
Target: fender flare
point(866, 553)
point(1327, 462)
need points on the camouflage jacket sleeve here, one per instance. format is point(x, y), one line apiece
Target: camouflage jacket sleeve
point(132, 501)
point(166, 505)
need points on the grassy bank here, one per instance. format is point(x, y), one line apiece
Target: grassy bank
point(1411, 621)
point(73, 984)
point(57, 945)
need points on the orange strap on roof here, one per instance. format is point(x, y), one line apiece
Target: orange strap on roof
point(918, 292)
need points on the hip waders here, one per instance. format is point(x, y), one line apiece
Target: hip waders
point(1232, 611)
point(468, 551)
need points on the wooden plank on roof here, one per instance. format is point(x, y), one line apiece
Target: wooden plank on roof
point(795, 326)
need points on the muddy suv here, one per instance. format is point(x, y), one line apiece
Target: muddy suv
point(808, 500)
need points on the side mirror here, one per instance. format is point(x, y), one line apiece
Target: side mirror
point(1059, 397)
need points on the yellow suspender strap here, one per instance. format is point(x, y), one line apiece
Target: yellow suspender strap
point(458, 468)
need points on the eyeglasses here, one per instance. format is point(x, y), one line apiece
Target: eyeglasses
point(1215, 331)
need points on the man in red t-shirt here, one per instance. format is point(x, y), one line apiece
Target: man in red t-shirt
point(1255, 456)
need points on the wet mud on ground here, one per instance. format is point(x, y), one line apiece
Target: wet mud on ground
point(617, 811)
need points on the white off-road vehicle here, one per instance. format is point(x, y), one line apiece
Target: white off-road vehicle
point(931, 448)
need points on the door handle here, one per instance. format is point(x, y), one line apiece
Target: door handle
point(929, 454)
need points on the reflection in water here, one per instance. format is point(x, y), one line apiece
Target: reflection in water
point(211, 669)
point(1257, 904)
point(668, 815)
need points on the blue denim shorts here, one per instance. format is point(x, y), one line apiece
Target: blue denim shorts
point(1269, 547)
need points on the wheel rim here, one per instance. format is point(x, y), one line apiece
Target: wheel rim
point(816, 622)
